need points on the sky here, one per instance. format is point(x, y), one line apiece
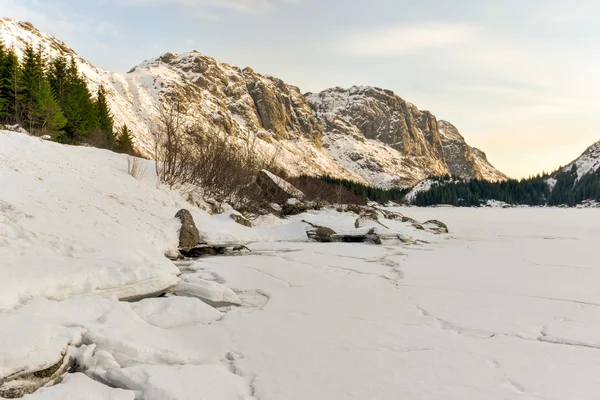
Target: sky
point(519, 78)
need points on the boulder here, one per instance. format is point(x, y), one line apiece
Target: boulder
point(293, 207)
point(275, 188)
point(189, 236)
point(240, 219)
point(322, 234)
point(435, 226)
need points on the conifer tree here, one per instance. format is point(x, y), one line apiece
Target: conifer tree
point(9, 86)
point(39, 109)
point(48, 113)
point(29, 88)
point(105, 119)
point(3, 99)
point(73, 97)
point(125, 140)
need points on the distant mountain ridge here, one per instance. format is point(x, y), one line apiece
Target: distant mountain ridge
point(365, 134)
point(577, 184)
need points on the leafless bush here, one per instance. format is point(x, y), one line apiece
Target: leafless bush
point(174, 156)
point(223, 165)
point(135, 167)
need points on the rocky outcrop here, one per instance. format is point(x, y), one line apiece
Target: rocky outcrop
point(463, 160)
point(189, 236)
point(427, 147)
point(240, 219)
point(276, 189)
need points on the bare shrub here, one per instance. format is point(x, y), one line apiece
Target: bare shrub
point(223, 165)
point(135, 167)
point(174, 156)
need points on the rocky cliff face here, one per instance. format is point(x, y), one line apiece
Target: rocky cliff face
point(363, 133)
point(428, 146)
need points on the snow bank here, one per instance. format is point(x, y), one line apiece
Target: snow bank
point(73, 221)
point(78, 386)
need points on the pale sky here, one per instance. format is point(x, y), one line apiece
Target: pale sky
point(519, 78)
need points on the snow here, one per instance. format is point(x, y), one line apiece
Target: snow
point(175, 312)
point(76, 387)
point(420, 187)
point(203, 382)
point(504, 307)
point(588, 162)
point(214, 292)
point(72, 221)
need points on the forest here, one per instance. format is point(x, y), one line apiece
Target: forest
point(50, 97)
point(559, 188)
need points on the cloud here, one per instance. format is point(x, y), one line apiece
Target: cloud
point(64, 23)
point(247, 6)
point(403, 39)
point(572, 12)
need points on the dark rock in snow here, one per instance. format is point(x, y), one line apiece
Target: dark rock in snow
point(240, 219)
point(276, 189)
point(189, 236)
point(322, 234)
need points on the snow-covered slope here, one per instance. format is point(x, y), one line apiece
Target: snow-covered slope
point(588, 162)
point(365, 134)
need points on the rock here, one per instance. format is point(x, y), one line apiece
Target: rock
point(215, 208)
point(276, 189)
point(322, 234)
point(23, 383)
point(189, 236)
point(418, 226)
point(435, 226)
point(293, 207)
point(240, 219)
point(391, 215)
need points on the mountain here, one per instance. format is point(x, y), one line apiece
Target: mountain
point(587, 163)
point(365, 134)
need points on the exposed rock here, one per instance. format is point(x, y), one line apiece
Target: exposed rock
point(293, 208)
point(463, 160)
point(428, 147)
point(27, 382)
point(276, 189)
point(189, 236)
point(240, 219)
point(322, 234)
point(435, 226)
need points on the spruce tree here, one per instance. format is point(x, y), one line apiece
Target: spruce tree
point(73, 97)
point(3, 99)
point(10, 73)
point(30, 84)
point(49, 114)
point(125, 140)
point(105, 119)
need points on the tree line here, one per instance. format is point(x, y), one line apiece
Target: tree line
point(50, 97)
point(356, 190)
point(559, 188)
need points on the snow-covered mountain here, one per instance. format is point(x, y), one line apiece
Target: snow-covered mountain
point(588, 162)
point(363, 133)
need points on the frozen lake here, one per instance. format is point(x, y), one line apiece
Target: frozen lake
point(505, 307)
